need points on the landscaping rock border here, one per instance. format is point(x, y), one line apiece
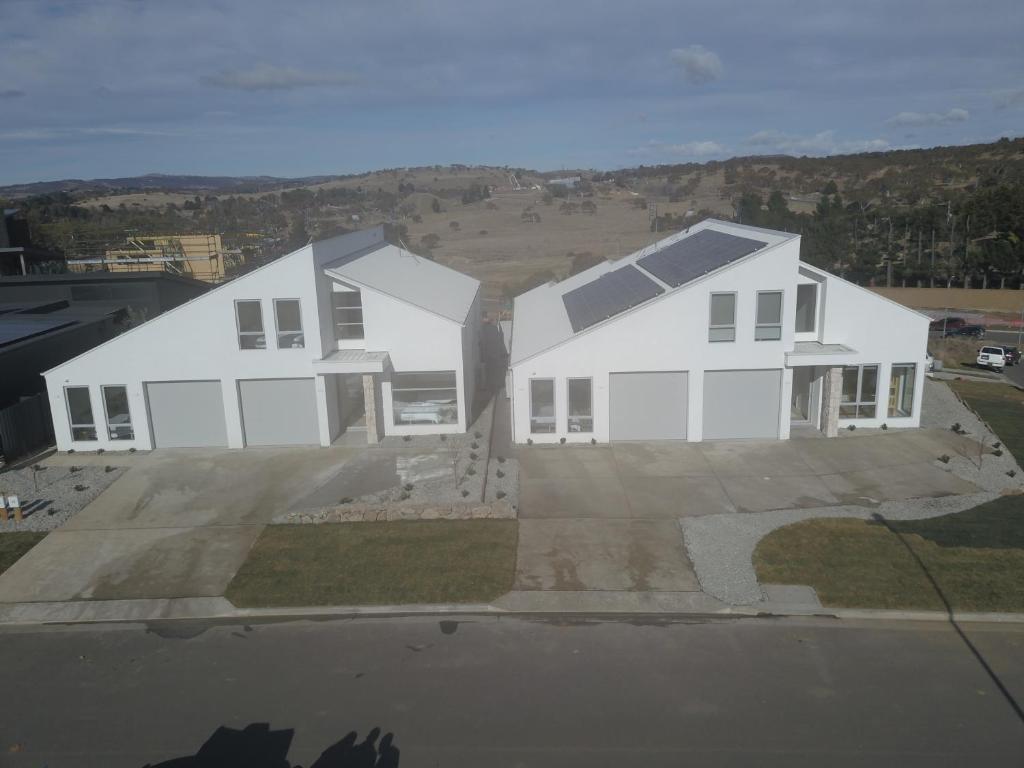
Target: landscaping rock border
point(363, 513)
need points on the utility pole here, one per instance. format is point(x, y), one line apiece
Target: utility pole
point(888, 268)
point(932, 279)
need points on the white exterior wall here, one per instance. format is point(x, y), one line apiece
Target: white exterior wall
point(668, 334)
point(882, 333)
point(199, 341)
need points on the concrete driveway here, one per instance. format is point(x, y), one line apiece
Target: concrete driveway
point(605, 518)
point(178, 523)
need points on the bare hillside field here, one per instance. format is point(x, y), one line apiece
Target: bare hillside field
point(977, 299)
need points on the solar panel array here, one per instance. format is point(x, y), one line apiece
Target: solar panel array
point(611, 293)
point(15, 329)
point(697, 255)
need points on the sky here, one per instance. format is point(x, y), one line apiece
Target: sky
point(109, 88)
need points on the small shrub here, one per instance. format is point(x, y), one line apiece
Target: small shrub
point(71, 450)
point(1011, 473)
point(997, 452)
point(131, 450)
point(101, 450)
point(561, 440)
point(997, 444)
point(529, 441)
point(593, 441)
point(944, 458)
point(483, 232)
point(500, 494)
point(471, 471)
point(499, 473)
point(501, 459)
point(473, 456)
point(408, 486)
point(474, 445)
point(885, 426)
point(38, 467)
point(851, 427)
point(74, 469)
point(403, 496)
point(81, 487)
point(345, 500)
point(109, 468)
point(478, 435)
point(407, 438)
point(465, 493)
point(956, 427)
point(443, 438)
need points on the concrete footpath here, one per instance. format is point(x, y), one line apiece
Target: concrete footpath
point(516, 603)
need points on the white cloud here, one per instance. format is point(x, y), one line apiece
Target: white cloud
point(821, 143)
point(955, 115)
point(685, 149)
point(266, 77)
point(698, 64)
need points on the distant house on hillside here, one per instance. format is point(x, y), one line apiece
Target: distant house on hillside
point(570, 182)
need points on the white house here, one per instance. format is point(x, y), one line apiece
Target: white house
point(343, 336)
point(716, 332)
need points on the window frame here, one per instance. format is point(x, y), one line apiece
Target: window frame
point(814, 308)
point(334, 316)
point(238, 326)
point(860, 402)
point(911, 388)
point(130, 424)
point(297, 332)
point(554, 409)
point(568, 407)
point(454, 388)
point(712, 327)
point(71, 419)
point(782, 313)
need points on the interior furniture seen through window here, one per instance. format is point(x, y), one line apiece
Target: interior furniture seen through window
point(348, 314)
point(901, 389)
point(806, 307)
point(249, 313)
point(581, 405)
point(542, 405)
point(83, 427)
point(288, 315)
point(768, 325)
point(428, 397)
point(119, 417)
point(860, 385)
point(722, 325)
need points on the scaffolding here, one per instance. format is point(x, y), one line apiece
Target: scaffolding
point(202, 257)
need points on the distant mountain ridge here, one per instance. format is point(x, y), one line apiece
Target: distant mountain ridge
point(162, 182)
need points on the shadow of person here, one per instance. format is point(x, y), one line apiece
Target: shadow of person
point(367, 754)
point(255, 746)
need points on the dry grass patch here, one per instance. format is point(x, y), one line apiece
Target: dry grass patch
point(14, 544)
point(443, 561)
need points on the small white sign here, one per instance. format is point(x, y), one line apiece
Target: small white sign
point(12, 502)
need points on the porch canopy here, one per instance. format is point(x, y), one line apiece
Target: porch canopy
point(816, 353)
point(353, 361)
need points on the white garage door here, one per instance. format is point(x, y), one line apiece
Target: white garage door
point(742, 404)
point(186, 414)
point(648, 405)
point(279, 411)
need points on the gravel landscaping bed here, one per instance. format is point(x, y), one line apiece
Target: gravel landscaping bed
point(721, 547)
point(52, 495)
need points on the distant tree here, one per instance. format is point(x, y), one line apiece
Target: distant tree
point(582, 261)
point(297, 235)
point(831, 188)
point(454, 226)
point(748, 209)
point(435, 205)
point(430, 241)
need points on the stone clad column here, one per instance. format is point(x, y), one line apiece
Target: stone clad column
point(832, 393)
point(374, 427)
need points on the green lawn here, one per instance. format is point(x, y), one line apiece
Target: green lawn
point(1001, 406)
point(443, 561)
point(976, 559)
point(14, 544)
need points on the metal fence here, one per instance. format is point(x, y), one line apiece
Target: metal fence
point(25, 427)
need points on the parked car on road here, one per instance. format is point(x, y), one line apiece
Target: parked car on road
point(946, 324)
point(992, 357)
point(970, 331)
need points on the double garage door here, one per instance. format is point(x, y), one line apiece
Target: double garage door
point(274, 412)
point(653, 405)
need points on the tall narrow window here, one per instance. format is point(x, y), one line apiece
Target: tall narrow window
point(901, 389)
point(768, 325)
point(722, 325)
point(348, 315)
point(83, 427)
point(119, 417)
point(249, 314)
point(288, 314)
point(581, 405)
point(860, 392)
point(806, 307)
point(542, 405)
point(424, 398)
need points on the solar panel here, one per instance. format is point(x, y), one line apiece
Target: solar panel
point(696, 255)
point(13, 330)
point(611, 293)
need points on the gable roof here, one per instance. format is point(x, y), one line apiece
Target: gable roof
point(546, 316)
point(403, 275)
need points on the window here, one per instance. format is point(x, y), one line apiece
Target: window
point(542, 405)
point(348, 315)
point(80, 413)
point(288, 314)
point(901, 389)
point(859, 392)
point(768, 325)
point(722, 325)
point(424, 398)
point(119, 418)
point(806, 308)
point(581, 405)
point(249, 314)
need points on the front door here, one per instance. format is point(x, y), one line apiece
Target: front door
point(803, 401)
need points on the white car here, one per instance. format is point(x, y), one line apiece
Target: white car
point(992, 357)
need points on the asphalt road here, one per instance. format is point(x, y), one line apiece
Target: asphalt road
point(515, 692)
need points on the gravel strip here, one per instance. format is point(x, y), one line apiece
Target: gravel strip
point(56, 501)
point(721, 547)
